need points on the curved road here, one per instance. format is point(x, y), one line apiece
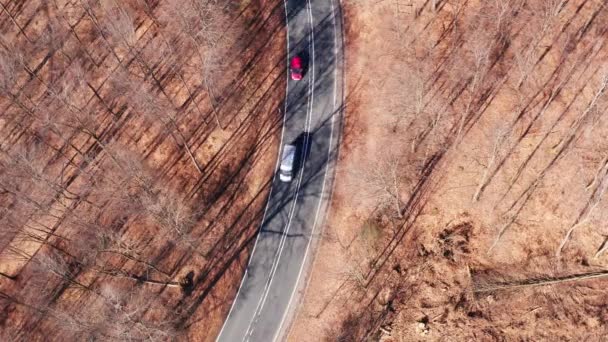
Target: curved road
point(295, 211)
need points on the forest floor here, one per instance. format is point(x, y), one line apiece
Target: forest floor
point(137, 143)
point(469, 202)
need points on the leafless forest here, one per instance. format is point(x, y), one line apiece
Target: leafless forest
point(136, 140)
point(471, 203)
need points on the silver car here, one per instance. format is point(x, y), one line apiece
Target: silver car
point(287, 159)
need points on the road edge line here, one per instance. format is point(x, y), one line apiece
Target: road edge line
point(285, 329)
point(274, 175)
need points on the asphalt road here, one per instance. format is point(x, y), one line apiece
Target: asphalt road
point(295, 211)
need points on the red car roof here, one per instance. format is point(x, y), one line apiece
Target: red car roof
point(296, 62)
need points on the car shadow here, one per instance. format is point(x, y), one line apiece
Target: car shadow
point(305, 61)
point(302, 143)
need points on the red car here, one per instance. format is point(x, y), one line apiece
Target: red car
point(295, 68)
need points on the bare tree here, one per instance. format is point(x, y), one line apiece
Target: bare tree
point(119, 24)
point(156, 110)
point(122, 31)
point(501, 12)
point(499, 136)
point(539, 281)
point(590, 207)
point(385, 180)
point(81, 119)
point(171, 213)
point(480, 48)
point(15, 22)
point(29, 163)
point(54, 264)
point(354, 276)
point(525, 61)
point(9, 68)
point(208, 30)
point(125, 314)
point(95, 240)
point(542, 17)
point(168, 52)
point(89, 9)
point(412, 100)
